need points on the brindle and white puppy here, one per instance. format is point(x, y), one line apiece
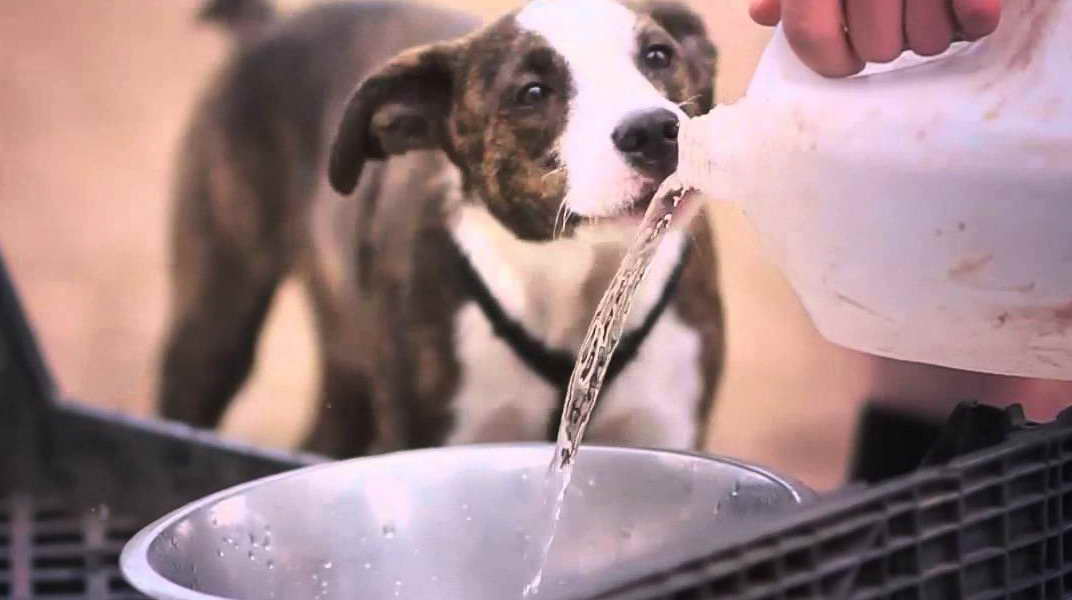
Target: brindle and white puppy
point(453, 282)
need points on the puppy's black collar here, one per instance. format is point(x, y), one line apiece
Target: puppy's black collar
point(556, 366)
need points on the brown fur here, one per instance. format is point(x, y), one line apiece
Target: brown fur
point(250, 174)
point(253, 207)
point(458, 96)
point(699, 304)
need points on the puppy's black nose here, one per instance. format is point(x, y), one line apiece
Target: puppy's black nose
point(648, 139)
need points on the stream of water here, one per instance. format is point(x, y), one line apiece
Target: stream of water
point(600, 341)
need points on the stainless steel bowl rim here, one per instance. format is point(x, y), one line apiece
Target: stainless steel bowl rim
point(134, 560)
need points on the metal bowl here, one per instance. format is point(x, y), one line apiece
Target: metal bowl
point(461, 523)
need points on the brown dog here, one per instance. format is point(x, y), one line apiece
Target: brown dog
point(453, 282)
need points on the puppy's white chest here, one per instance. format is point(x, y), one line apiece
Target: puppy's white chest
point(542, 287)
point(653, 402)
point(498, 398)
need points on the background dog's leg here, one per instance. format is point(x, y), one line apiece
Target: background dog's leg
point(212, 341)
point(227, 263)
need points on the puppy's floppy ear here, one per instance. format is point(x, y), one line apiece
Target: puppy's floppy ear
point(700, 54)
point(401, 107)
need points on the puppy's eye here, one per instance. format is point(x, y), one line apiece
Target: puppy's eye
point(533, 94)
point(658, 56)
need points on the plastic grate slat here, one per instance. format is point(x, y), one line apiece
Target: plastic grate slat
point(52, 554)
point(991, 526)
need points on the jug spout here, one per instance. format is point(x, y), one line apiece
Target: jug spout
point(721, 152)
point(920, 212)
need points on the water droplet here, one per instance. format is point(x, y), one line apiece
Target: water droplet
point(328, 564)
point(524, 477)
point(736, 489)
point(316, 576)
point(271, 565)
point(227, 540)
point(219, 553)
point(718, 508)
point(368, 566)
point(389, 531)
point(253, 540)
point(468, 518)
point(591, 482)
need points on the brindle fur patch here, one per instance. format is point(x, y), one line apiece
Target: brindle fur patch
point(253, 206)
point(507, 153)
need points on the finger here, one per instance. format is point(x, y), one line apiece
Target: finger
point(929, 26)
point(876, 28)
point(815, 31)
point(766, 12)
point(977, 18)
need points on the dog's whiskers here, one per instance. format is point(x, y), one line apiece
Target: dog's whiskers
point(688, 101)
point(552, 173)
point(561, 217)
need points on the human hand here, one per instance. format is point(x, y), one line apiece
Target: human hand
point(836, 38)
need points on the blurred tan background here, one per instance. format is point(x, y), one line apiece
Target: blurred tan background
point(94, 96)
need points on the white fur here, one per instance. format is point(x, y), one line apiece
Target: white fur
point(655, 401)
point(494, 380)
point(598, 40)
point(538, 284)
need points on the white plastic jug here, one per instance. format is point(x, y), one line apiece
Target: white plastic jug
point(921, 213)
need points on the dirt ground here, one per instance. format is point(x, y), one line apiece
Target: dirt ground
point(95, 94)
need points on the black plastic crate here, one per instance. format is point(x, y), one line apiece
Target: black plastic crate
point(55, 553)
point(76, 483)
point(996, 523)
